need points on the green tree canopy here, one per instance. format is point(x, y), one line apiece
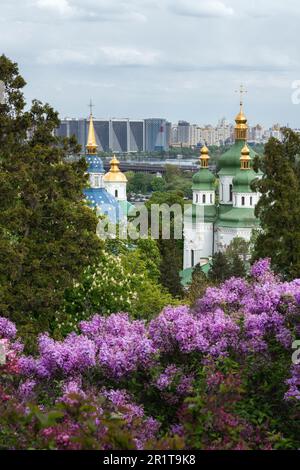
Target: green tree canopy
point(279, 206)
point(47, 232)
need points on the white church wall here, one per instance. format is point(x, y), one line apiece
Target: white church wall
point(118, 190)
point(245, 200)
point(198, 243)
point(225, 235)
point(204, 198)
point(224, 189)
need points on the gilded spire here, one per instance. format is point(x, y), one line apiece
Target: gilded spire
point(91, 145)
point(204, 156)
point(114, 165)
point(241, 128)
point(245, 158)
point(115, 174)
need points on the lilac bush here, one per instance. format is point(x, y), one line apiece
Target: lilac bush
point(238, 336)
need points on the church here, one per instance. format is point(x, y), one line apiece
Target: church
point(107, 193)
point(210, 224)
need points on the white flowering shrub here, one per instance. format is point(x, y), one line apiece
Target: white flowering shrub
point(117, 283)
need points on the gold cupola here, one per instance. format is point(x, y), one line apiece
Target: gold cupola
point(91, 145)
point(241, 126)
point(245, 158)
point(204, 156)
point(114, 175)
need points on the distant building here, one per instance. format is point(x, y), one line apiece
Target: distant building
point(155, 135)
point(117, 135)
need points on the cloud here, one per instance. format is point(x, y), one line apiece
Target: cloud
point(92, 10)
point(201, 8)
point(62, 7)
point(101, 56)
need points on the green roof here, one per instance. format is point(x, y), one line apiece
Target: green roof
point(229, 163)
point(242, 181)
point(186, 275)
point(209, 212)
point(236, 217)
point(204, 179)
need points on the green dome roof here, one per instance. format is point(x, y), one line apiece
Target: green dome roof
point(203, 179)
point(229, 162)
point(242, 181)
point(236, 217)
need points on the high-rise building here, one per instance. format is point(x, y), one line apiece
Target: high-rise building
point(117, 135)
point(183, 132)
point(136, 136)
point(155, 135)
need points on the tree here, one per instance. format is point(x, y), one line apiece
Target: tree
point(158, 184)
point(220, 268)
point(115, 283)
point(199, 284)
point(140, 183)
point(238, 246)
point(237, 266)
point(170, 266)
point(279, 206)
point(47, 232)
point(170, 250)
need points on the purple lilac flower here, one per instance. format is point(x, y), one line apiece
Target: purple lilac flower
point(8, 329)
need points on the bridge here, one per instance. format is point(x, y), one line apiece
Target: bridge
point(151, 167)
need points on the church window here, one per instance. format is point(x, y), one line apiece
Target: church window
point(211, 199)
point(97, 181)
point(230, 192)
point(243, 200)
point(116, 193)
point(197, 198)
point(251, 200)
point(193, 258)
point(204, 199)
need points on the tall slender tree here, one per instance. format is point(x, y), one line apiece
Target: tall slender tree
point(47, 233)
point(279, 206)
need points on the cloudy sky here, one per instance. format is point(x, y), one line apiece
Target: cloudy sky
point(179, 59)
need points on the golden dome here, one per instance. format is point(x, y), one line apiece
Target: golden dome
point(91, 145)
point(204, 156)
point(241, 127)
point(245, 158)
point(204, 150)
point(115, 175)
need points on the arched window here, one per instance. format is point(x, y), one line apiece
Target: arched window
point(211, 199)
point(251, 200)
point(204, 199)
point(243, 200)
point(230, 192)
point(116, 193)
point(197, 198)
point(192, 258)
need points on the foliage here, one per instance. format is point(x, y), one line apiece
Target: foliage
point(234, 261)
point(158, 184)
point(217, 376)
point(170, 249)
point(199, 284)
point(278, 207)
point(128, 281)
point(47, 233)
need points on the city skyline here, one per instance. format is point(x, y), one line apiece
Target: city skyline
point(148, 58)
